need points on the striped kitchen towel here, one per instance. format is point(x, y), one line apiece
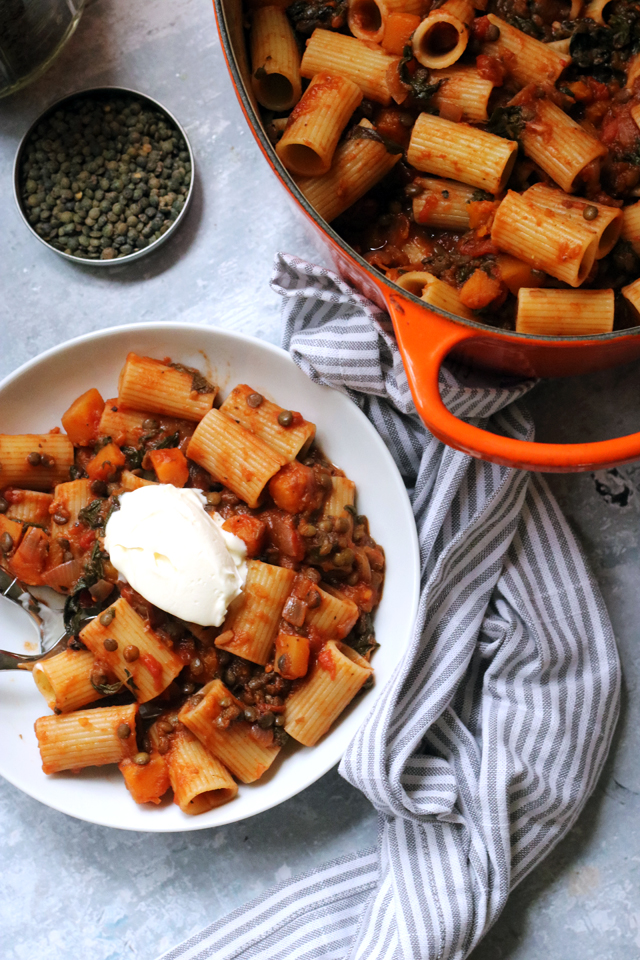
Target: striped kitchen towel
point(491, 734)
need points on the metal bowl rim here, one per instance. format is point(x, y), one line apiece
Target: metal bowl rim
point(136, 255)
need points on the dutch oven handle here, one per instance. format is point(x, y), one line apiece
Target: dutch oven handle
point(425, 339)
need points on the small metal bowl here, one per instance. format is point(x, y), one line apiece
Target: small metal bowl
point(98, 92)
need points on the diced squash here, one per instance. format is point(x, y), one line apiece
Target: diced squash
point(170, 466)
point(106, 462)
point(81, 419)
point(147, 783)
point(294, 488)
point(479, 290)
point(29, 560)
point(292, 656)
point(397, 32)
point(516, 274)
point(251, 530)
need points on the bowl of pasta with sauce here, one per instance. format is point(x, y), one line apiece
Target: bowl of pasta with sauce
point(473, 171)
point(238, 563)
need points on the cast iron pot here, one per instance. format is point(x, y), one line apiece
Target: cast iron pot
point(426, 336)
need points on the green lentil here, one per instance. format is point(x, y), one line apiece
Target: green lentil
point(102, 177)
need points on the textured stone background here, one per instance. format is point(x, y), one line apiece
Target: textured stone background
point(69, 889)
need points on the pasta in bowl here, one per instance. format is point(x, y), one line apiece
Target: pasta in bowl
point(186, 689)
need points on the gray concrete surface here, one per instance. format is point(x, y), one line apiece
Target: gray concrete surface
point(68, 889)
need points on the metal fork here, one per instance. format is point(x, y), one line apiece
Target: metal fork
point(48, 620)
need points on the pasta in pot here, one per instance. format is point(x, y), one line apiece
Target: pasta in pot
point(474, 122)
point(180, 705)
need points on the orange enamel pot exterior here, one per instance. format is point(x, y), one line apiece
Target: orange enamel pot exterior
point(426, 337)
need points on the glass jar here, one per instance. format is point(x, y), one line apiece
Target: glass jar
point(32, 33)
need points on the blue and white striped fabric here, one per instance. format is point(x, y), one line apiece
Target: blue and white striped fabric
point(490, 736)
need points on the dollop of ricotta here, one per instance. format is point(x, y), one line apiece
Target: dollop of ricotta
point(175, 554)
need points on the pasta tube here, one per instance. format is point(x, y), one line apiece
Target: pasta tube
point(234, 456)
point(367, 18)
point(464, 94)
point(632, 293)
point(595, 11)
point(68, 500)
point(65, 680)
point(261, 417)
point(29, 506)
point(231, 741)
point(558, 245)
point(35, 461)
point(631, 225)
point(358, 164)
point(154, 387)
point(198, 779)
point(440, 295)
point(315, 124)
point(442, 38)
point(123, 425)
point(275, 61)
point(530, 61)
point(332, 683)
point(252, 620)
point(125, 644)
point(443, 204)
point(351, 58)
point(559, 145)
point(607, 224)
point(333, 618)
point(87, 738)
point(461, 152)
point(564, 313)
point(342, 494)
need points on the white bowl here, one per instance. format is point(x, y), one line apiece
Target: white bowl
point(32, 400)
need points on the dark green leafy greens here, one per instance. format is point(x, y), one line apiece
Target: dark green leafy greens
point(506, 122)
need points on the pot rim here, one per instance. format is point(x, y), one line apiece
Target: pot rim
point(380, 280)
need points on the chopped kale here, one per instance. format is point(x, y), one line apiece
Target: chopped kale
point(133, 457)
point(92, 514)
point(506, 122)
point(76, 612)
point(108, 689)
point(171, 441)
point(307, 15)
point(198, 383)
point(479, 195)
point(422, 87)
point(368, 133)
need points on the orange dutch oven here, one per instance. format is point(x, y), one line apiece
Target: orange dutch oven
point(426, 336)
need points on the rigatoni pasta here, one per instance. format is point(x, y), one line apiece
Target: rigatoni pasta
point(275, 61)
point(87, 738)
point(261, 416)
point(152, 386)
point(213, 694)
point(564, 313)
point(442, 37)
point(358, 164)
point(311, 136)
point(367, 65)
point(536, 235)
point(338, 674)
point(461, 152)
point(234, 456)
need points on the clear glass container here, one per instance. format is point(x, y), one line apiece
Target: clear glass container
point(32, 33)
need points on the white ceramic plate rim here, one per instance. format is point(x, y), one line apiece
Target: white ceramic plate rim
point(231, 812)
